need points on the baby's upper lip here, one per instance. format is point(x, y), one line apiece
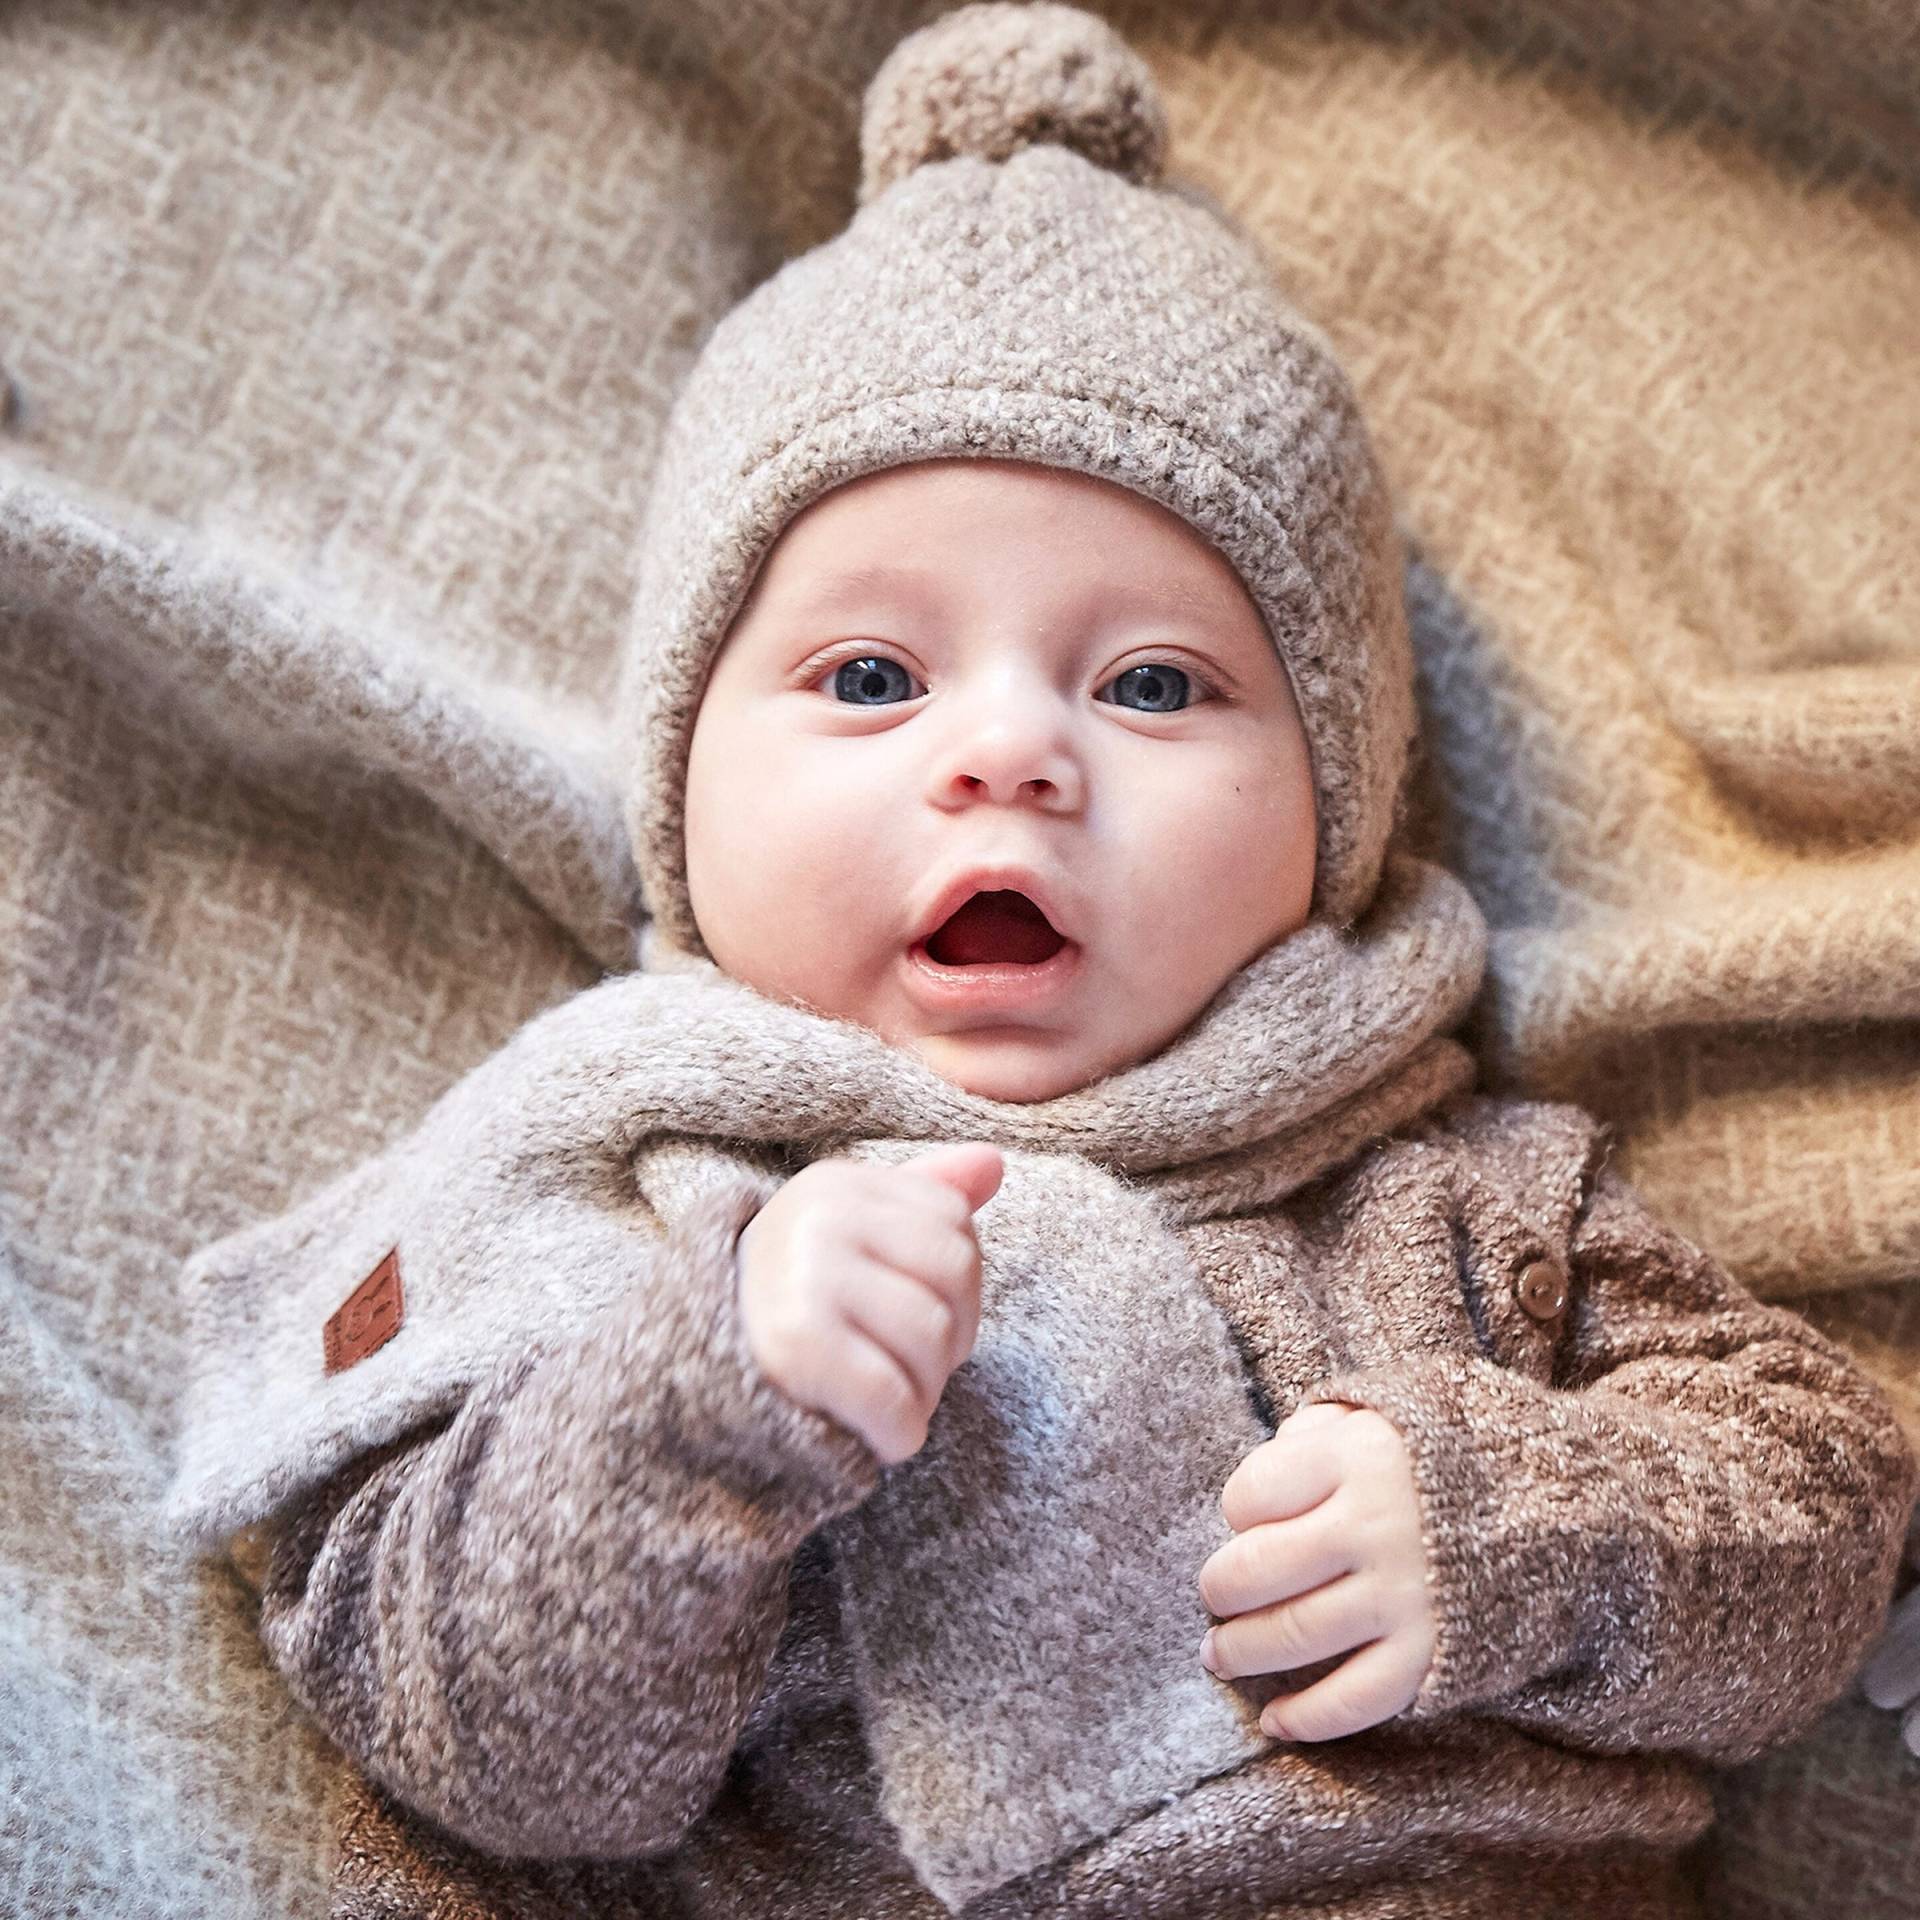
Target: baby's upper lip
point(997, 877)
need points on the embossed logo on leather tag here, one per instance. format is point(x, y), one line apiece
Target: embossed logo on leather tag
point(367, 1318)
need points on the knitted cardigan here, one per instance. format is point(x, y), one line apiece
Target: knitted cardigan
point(610, 1625)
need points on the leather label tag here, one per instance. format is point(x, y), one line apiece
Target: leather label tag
point(367, 1318)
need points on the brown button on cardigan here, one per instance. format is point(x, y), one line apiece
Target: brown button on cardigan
point(1541, 1288)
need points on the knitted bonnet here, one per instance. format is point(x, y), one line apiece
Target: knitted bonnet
point(1020, 283)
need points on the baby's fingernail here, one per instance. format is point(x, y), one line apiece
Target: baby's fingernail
point(1208, 1657)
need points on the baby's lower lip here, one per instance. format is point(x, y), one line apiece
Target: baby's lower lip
point(995, 985)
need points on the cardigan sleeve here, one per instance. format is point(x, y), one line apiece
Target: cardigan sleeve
point(543, 1622)
point(1686, 1541)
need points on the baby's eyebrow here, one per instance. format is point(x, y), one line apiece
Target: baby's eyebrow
point(854, 583)
point(1172, 596)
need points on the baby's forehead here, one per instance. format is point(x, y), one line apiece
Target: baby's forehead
point(943, 510)
point(983, 547)
point(830, 586)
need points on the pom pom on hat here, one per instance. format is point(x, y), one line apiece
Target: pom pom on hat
point(992, 78)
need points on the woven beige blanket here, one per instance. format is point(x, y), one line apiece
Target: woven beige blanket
point(347, 329)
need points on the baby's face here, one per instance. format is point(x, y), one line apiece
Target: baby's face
point(968, 664)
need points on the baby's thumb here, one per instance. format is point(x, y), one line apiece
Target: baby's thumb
point(972, 1166)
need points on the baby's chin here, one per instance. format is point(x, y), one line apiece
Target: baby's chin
point(1014, 1063)
point(1017, 1065)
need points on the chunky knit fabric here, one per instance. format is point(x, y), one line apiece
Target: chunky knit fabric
point(508, 1225)
point(607, 1642)
point(573, 1583)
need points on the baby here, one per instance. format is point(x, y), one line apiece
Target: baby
point(1106, 811)
point(1005, 1367)
point(1103, 814)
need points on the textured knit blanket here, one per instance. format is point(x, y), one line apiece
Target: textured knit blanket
point(336, 343)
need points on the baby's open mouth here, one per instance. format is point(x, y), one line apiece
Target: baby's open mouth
point(1001, 927)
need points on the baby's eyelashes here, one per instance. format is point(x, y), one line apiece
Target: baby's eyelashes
point(877, 679)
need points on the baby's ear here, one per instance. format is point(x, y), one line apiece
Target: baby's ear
point(312, 697)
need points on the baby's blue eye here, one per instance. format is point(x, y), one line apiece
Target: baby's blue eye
point(875, 681)
point(1164, 688)
point(864, 682)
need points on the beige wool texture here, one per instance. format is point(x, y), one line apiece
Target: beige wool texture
point(395, 298)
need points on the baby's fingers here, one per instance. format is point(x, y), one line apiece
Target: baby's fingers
point(1284, 1476)
point(1274, 1562)
point(1378, 1682)
point(940, 1253)
point(910, 1322)
point(876, 1396)
point(1345, 1612)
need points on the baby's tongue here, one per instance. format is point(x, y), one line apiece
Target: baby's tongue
point(995, 926)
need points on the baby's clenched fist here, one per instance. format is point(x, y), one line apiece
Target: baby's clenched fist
point(1327, 1556)
point(860, 1287)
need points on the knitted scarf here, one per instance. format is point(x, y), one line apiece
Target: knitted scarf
point(1020, 1596)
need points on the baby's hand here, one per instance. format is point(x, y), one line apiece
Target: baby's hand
point(860, 1287)
point(1328, 1499)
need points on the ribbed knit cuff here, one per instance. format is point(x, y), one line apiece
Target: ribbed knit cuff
point(1502, 1511)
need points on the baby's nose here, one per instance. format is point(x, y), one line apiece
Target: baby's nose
point(1021, 763)
point(1036, 788)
